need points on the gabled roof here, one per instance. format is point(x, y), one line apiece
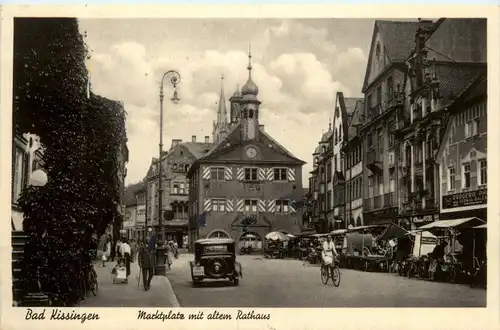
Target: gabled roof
point(198, 149)
point(233, 140)
point(474, 88)
point(449, 86)
point(347, 107)
point(398, 39)
point(458, 40)
point(130, 191)
point(355, 120)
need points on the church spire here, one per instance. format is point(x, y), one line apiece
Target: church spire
point(222, 111)
point(249, 67)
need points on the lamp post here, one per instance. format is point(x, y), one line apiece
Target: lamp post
point(175, 78)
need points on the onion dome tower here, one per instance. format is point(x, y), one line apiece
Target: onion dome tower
point(249, 106)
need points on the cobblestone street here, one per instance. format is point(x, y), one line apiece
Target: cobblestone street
point(290, 283)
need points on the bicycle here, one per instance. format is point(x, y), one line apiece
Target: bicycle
point(334, 274)
point(92, 279)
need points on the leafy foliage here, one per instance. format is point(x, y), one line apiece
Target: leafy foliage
point(82, 137)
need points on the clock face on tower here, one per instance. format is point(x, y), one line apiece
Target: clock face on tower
point(251, 152)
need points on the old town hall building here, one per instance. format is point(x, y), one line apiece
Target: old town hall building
point(245, 186)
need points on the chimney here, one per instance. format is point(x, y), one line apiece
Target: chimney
point(207, 139)
point(193, 138)
point(261, 128)
point(175, 143)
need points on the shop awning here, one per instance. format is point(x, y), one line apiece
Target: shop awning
point(393, 231)
point(364, 227)
point(455, 223)
point(481, 227)
point(338, 232)
point(176, 223)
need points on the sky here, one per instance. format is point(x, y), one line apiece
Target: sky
point(298, 65)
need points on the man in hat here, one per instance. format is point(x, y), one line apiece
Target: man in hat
point(147, 264)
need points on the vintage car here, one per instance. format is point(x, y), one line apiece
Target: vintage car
point(215, 258)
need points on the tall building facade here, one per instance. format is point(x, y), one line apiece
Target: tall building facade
point(438, 72)
point(345, 108)
point(391, 44)
point(351, 150)
point(321, 184)
point(248, 183)
point(176, 162)
point(462, 157)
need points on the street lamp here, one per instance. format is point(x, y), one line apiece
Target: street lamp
point(175, 79)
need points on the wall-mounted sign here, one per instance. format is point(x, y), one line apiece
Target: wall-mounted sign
point(470, 198)
point(425, 218)
point(429, 240)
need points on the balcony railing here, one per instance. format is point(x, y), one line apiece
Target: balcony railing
point(377, 202)
point(373, 156)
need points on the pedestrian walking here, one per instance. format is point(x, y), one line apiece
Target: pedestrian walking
point(118, 249)
point(125, 252)
point(146, 264)
point(176, 250)
point(169, 254)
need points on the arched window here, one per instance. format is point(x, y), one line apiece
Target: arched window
point(218, 234)
point(174, 166)
point(245, 113)
point(323, 149)
point(340, 132)
point(336, 136)
point(358, 222)
point(377, 51)
point(250, 114)
point(315, 160)
point(186, 167)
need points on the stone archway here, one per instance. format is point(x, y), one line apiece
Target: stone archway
point(218, 233)
point(250, 239)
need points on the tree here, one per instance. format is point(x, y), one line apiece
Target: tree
point(82, 138)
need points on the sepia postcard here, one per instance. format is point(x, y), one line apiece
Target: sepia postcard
point(249, 167)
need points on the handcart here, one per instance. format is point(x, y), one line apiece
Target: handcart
point(119, 272)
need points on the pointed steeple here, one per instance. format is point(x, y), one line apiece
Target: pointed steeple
point(222, 111)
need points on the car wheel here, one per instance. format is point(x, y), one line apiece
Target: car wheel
point(236, 281)
point(217, 268)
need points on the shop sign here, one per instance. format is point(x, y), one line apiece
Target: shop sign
point(429, 240)
point(470, 198)
point(424, 219)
